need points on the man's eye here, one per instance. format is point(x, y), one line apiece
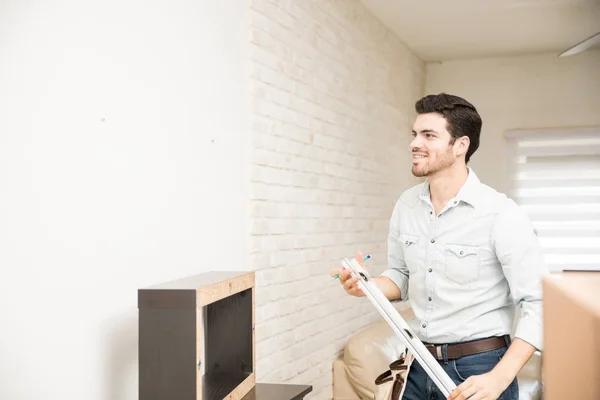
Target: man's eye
point(413, 134)
point(428, 135)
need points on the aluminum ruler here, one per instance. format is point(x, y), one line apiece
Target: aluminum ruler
point(400, 327)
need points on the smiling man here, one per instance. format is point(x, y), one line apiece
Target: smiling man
point(466, 257)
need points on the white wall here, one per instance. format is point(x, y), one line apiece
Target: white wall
point(520, 92)
point(332, 109)
point(109, 181)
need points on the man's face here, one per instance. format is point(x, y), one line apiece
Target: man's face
point(431, 149)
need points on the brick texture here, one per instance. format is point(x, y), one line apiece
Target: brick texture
point(332, 105)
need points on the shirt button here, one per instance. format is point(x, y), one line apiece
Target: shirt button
point(430, 270)
point(430, 212)
point(429, 298)
point(424, 325)
point(432, 240)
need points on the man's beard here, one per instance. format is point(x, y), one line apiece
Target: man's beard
point(445, 161)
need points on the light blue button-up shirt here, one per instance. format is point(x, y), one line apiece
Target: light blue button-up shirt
point(466, 270)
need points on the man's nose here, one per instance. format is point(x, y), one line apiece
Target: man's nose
point(415, 143)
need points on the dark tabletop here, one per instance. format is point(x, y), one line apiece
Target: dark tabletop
point(275, 391)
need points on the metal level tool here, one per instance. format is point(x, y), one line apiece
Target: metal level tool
point(401, 328)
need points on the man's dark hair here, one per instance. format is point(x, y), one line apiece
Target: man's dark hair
point(461, 116)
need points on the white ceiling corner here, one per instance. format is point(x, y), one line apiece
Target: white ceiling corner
point(438, 30)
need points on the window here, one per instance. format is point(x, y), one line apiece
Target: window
point(555, 178)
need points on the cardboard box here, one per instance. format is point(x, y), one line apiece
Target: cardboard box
point(571, 355)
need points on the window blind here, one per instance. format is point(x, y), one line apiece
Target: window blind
point(555, 178)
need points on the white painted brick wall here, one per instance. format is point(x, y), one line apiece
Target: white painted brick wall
point(333, 93)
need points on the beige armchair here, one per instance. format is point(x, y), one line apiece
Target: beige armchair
point(369, 352)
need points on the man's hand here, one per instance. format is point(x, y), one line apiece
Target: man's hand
point(479, 387)
point(350, 283)
point(491, 385)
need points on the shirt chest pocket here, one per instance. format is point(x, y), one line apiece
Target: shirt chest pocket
point(409, 245)
point(462, 263)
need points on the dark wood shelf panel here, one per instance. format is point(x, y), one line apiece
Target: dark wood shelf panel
point(276, 391)
point(196, 337)
point(217, 386)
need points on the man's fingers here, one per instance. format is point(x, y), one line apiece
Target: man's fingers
point(350, 285)
point(458, 393)
point(356, 291)
point(360, 258)
point(348, 282)
point(468, 392)
point(342, 274)
point(465, 393)
point(454, 394)
point(345, 274)
point(479, 396)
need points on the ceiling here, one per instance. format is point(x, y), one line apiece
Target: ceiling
point(438, 30)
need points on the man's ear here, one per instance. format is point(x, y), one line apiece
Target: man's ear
point(462, 145)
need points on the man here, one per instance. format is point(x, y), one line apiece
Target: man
point(465, 256)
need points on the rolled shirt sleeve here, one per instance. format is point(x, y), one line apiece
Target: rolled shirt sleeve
point(397, 271)
point(520, 254)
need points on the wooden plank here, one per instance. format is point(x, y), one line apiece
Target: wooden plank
point(243, 388)
point(165, 298)
point(253, 289)
point(219, 386)
point(228, 334)
point(201, 280)
point(219, 290)
point(200, 350)
point(271, 391)
point(197, 337)
point(167, 340)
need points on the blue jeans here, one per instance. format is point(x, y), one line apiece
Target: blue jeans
point(420, 387)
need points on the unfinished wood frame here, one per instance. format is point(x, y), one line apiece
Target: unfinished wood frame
point(196, 337)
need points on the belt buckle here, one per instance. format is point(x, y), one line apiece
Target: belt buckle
point(438, 351)
point(435, 350)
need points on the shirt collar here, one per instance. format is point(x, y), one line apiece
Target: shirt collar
point(469, 192)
